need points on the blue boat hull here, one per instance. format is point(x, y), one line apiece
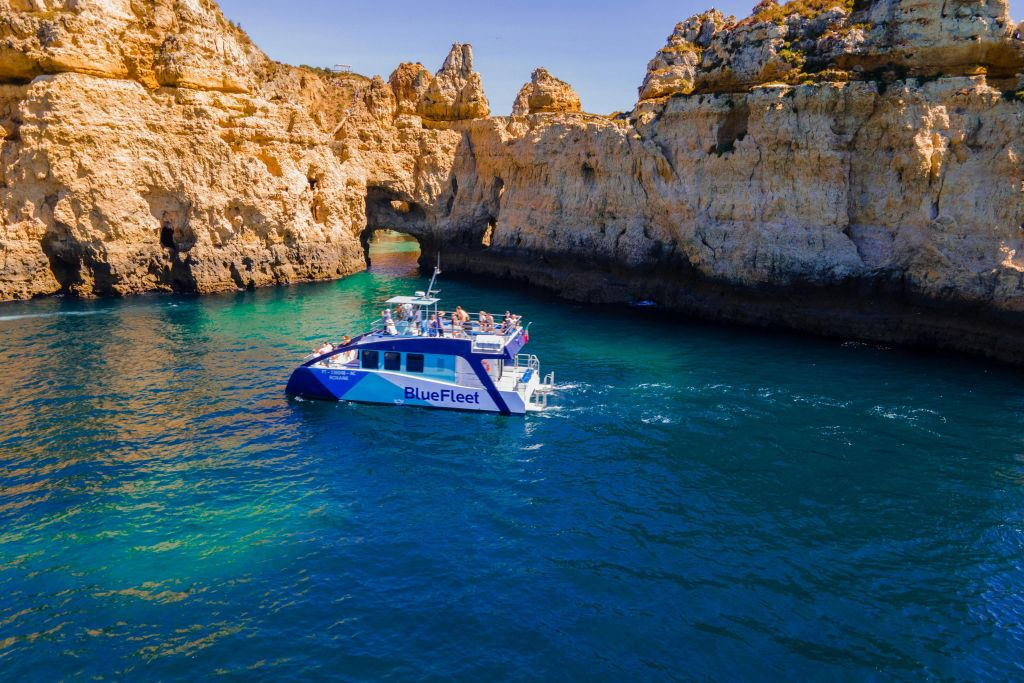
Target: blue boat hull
point(397, 389)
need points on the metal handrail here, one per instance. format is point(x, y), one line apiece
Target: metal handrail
point(378, 326)
point(528, 360)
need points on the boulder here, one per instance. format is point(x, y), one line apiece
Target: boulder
point(409, 82)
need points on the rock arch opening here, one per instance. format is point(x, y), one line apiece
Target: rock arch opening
point(395, 228)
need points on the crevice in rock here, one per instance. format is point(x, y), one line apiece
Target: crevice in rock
point(589, 175)
point(498, 192)
point(167, 235)
point(65, 265)
point(732, 129)
point(240, 281)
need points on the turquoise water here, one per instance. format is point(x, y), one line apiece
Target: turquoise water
point(703, 502)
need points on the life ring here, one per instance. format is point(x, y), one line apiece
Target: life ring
point(487, 366)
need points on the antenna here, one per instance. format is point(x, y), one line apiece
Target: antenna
point(437, 271)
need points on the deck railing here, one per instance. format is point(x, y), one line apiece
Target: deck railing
point(466, 330)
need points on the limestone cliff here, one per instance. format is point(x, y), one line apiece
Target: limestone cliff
point(848, 168)
point(545, 94)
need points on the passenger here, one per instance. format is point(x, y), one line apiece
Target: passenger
point(506, 323)
point(434, 327)
point(389, 323)
point(456, 324)
point(441, 323)
point(485, 326)
point(323, 348)
point(346, 340)
point(417, 322)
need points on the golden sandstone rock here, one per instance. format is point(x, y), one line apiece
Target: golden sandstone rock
point(847, 168)
point(456, 93)
point(545, 94)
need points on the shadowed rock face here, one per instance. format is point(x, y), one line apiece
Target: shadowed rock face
point(782, 170)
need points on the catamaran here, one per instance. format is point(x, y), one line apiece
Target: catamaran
point(417, 357)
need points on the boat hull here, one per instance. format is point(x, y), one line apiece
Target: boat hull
point(342, 384)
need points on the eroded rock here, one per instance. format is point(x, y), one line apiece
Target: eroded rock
point(545, 94)
point(456, 93)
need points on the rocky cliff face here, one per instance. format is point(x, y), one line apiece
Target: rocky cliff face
point(849, 168)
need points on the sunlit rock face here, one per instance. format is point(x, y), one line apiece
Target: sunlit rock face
point(844, 168)
point(545, 94)
point(809, 41)
point(185, 43)
point(152, 146)
point(409, 82)
point(456, 93)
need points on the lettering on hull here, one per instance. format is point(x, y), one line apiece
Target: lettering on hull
point(442, 395)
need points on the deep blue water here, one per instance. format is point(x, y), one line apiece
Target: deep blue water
point(704, 502)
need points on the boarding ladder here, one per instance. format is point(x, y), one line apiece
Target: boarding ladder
point(544, 388)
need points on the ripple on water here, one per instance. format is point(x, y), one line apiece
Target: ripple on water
point(695, 494)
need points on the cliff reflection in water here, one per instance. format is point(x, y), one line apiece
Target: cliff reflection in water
point(395, 254)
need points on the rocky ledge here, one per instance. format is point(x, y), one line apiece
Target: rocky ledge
point(845, 168)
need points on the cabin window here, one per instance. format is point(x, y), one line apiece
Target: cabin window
point(414, 362)
point(392, 360)
point(371, 360)
point(442, 363)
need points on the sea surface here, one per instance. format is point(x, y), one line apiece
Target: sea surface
point(702, 501)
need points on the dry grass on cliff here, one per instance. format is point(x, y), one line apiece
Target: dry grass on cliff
point(770, 11)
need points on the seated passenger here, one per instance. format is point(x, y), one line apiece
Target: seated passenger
point(326, 347)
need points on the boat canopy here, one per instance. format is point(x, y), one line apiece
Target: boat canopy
point(414, 300)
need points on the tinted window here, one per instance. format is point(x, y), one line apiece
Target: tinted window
point(371, 360)
point(442, 363)
point(392, 360)
point(414, 362)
